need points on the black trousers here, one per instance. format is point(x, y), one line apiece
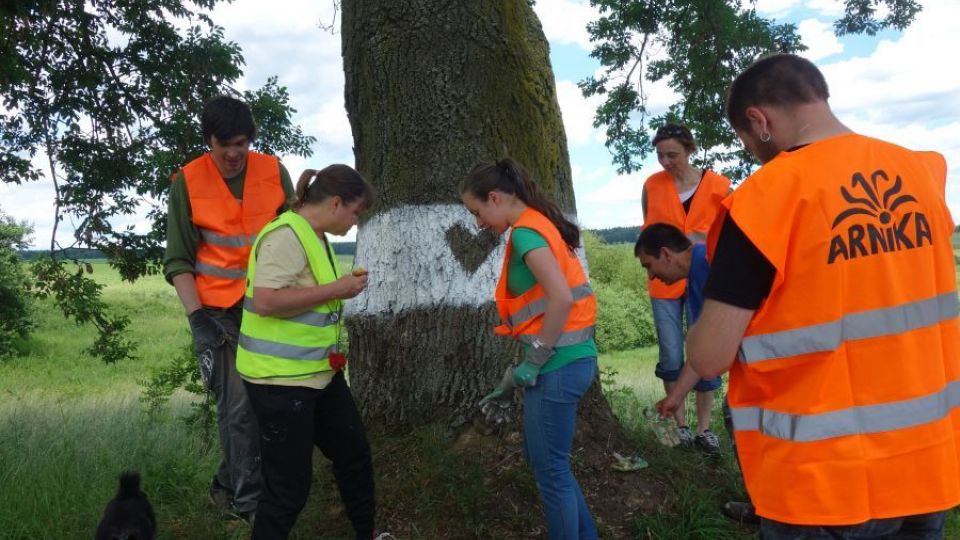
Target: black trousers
point(292, 420)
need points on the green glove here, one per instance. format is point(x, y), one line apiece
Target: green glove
point(537, 355)
point(526, 374)
point(496, 406)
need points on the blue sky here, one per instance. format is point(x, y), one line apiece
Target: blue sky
point(897, 86)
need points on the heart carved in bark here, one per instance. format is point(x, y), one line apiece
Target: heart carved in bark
point(471, 249)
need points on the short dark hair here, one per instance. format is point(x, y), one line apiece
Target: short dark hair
point(657, 236)
point(777, 79)
point(678, 132)
point(225, 117)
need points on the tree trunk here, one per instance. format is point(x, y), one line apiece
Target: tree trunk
point(432, 88)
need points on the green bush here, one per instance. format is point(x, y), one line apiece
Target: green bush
point(624, 320)
point(15, 323)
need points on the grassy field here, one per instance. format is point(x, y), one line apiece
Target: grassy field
point(69, 424)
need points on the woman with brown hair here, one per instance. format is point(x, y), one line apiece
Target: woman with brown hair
point(546, 303)
point(687, 198)
point(288, 357)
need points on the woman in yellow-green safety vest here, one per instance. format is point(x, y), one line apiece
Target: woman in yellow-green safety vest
point(288, 358)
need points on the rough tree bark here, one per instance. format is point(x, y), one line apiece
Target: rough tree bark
point(432, 88)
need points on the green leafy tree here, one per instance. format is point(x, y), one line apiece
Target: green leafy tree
point(107, 95)
point(15, 320)
point(697, 47)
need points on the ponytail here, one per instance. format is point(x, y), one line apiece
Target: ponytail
point(336, 180)
point(508, 176)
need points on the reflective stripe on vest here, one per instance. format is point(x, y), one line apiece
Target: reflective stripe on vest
point(284, 351)
point(867, 324)
point(294, 347)
point(566, 338)
point(217, 271)
point(859, 420)
point(538, 307)
point(309, 318)
point(230, 241)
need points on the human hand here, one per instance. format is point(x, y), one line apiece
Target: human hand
point(208, 335)
point(207, 332)
point(496, 406)
point(526, 374)
point(350, 285)
point(668, 406)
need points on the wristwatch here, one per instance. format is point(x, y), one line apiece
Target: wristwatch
point(537, 344)
point(539, 352)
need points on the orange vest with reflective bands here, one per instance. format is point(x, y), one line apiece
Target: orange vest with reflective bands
point(664, 206)
point(845, 395)
point(228, 227)
point(523, 315)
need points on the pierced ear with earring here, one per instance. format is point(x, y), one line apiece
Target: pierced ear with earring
point(765, 139)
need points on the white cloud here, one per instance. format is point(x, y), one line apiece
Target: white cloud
point(775, 8)
point(578, 113)
point(565, 21)
point(832, 8)
point(819, 37)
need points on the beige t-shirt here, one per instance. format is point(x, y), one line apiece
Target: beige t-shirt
point(282, 263)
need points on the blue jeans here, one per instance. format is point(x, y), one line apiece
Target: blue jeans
point(549, 422)
point(920, 527)
point(668, 320)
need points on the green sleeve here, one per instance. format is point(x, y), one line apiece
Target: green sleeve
point(524, 240)
point(182, 236)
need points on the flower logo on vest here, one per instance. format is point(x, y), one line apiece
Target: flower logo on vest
point(885, 229)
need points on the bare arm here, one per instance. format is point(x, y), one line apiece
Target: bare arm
point(668, 406)
point(186, 286)
point(713, 341)
point(268, 301)
point(559, 298)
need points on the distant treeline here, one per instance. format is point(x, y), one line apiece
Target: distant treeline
point(340, 248)
point(615, 235)
point(618, 235)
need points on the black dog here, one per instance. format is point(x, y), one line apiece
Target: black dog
point(129, 515)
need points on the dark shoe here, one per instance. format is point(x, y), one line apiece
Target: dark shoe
point(686, 436)
point(708, 443)
point(741, 512)
point(220, 497)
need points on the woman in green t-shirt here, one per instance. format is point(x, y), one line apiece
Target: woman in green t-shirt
point(546, 303)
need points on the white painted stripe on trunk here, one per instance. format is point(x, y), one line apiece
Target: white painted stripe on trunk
point(411, 266)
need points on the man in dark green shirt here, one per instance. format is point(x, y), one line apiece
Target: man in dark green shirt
point(228, 128)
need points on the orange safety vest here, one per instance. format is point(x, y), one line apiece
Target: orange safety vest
point(523, 315)
point(664, 206)
point(845, 395)
point(228, 227)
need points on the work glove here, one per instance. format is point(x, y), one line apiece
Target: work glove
point(497, 405)
point(528, 370)
point(208, 335)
